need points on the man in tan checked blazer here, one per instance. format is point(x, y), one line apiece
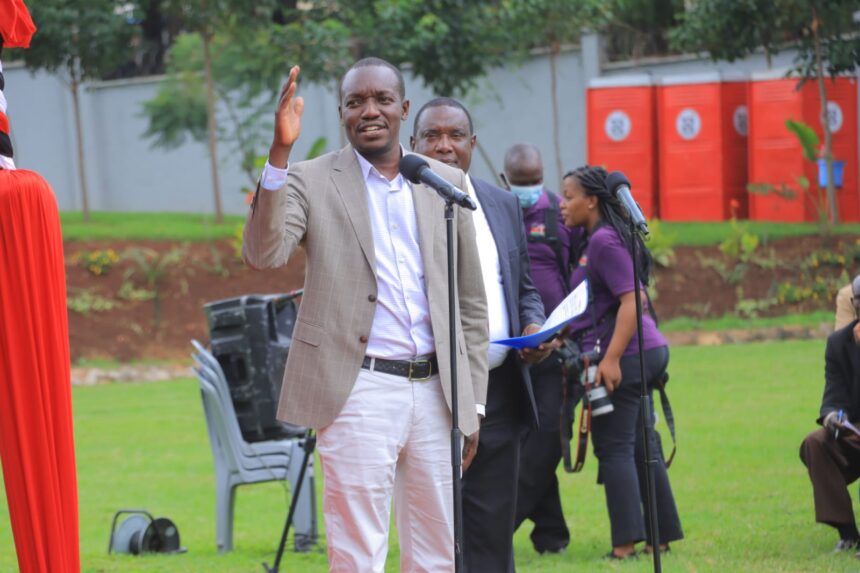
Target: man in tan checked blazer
point(369, 363)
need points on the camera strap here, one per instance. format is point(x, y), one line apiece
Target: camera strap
point(667, 413)
point(582, 433)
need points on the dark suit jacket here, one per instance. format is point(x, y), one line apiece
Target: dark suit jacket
point(525, 307)
point(842, 374)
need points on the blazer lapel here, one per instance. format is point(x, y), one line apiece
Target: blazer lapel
point(428, 213)
point(488, 206)
point(349, 183)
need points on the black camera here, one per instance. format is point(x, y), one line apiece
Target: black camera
point(574, 362)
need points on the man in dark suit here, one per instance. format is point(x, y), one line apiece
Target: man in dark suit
point(444, 131)
point(832, 453)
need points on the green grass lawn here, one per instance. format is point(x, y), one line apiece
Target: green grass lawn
point(744, 497)
point(732, 321)
point(138, 226)
point(200, 227)
point(695, 234)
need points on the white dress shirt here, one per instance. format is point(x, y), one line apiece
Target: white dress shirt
point(401, 324)
point(491, 271)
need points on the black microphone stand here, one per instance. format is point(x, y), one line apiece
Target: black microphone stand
point(456, 435)
point(645, 414)
point(309, 445)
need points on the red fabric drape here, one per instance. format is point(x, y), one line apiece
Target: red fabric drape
point(36, 440)
point(16, 26)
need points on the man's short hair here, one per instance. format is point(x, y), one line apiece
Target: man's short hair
point(522, 152)
point(442, 102)
point(373, 61)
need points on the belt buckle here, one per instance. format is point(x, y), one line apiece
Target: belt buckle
point(429, 371)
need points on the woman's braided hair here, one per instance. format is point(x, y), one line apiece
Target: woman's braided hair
point(593, 180)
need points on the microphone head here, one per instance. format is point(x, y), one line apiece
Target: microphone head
point(411, 166)
point(615, 180)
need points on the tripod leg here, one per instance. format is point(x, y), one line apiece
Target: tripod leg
point(310, 444)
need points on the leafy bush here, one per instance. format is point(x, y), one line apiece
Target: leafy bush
point(149, 268)
point(87, 301)
point(740, 245)
point(97, 262)
point(661, 243)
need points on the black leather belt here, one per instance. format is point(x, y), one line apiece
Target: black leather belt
point(421, 369)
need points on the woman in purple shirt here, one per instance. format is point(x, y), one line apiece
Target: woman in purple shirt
point(603, 257)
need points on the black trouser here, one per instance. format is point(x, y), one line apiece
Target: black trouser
point(538, 498)
point(620, 449)
point(490, 483)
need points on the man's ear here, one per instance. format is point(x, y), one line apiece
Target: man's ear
point(405, 114)
point(473, 141)
point(412, 142)
point(340, 114)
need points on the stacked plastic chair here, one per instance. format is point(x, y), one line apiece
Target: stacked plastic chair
point(238, 462)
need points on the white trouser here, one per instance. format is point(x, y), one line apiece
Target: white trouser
point(392, 436)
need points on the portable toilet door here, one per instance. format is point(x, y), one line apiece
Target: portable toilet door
point(622, 133)
point(702, 131)
point(776, 156)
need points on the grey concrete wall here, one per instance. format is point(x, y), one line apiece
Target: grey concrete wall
point(125, 173)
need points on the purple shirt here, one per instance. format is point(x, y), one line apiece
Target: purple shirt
point(610, 272)
point(545, 272)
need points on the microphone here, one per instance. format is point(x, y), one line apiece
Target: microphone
point(416, 169)
point(619, 186)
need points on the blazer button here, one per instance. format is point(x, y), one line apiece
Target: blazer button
point(371, 297)
point(362, 339)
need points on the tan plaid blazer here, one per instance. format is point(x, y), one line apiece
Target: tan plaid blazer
point(324, 204)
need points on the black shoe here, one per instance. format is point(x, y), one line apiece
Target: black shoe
point(847, 545)
point(551, 550)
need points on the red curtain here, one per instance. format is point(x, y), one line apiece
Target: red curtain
point(36, 439)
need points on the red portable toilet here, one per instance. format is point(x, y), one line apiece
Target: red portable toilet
point(622, 132)
point(702, 121)
point(776, 156)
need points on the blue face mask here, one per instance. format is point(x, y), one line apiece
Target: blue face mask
point(527, 195)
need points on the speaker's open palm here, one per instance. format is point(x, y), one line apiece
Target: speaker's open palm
point(288, 116)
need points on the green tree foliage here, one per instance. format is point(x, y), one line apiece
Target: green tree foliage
point(449, 44)
point(79, 41)
point(733, 29)
point(640, 28)
point(226, 71)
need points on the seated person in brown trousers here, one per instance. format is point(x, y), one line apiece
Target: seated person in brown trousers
point(832, 453)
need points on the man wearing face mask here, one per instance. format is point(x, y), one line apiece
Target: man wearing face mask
point(549, 247)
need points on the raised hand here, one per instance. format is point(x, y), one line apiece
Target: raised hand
point(288, 121)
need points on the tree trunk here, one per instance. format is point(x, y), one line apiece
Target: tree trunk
point(825, 124)
point(74, 84)
point(210, 126)
point(556, 137)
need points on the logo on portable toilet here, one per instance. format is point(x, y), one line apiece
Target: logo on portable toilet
point(688, 124)
point(834, 116)
point(740, 119)
point(617, 125)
